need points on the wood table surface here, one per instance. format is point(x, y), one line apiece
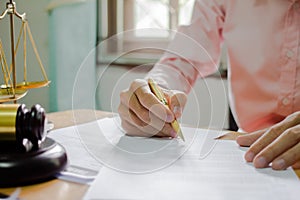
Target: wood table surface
point(63, 190)
point(57, 189)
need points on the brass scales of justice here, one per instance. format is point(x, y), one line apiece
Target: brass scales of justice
point(10, 90)
point(26, 155)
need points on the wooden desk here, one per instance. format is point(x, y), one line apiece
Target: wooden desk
point(57, 189)
point(62, 190)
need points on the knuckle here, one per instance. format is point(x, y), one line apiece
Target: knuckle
point(183, 99)
point(179, 99)
point(125, 97)
point(181, 96)
point(292, 119)
point(132, 87)
point(276, 130)
point(123, 94)
point(123, 111)
point(297, 115)
point(136, 84)
point(294, 116)
point(292, 134)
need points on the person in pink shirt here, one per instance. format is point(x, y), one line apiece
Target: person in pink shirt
point(263, 47)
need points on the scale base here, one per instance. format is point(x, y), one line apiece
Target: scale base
point(19, 168)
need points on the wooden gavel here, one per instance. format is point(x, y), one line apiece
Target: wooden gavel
point(23, 127)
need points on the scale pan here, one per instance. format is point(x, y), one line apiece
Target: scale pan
point(6, 94)
point(31, 85)
point(28, 85)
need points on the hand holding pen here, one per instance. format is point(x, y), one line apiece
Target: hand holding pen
point(161, 97)
point(144, 114)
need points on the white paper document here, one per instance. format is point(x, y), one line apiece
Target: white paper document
point(82, 166)
point(200, 168)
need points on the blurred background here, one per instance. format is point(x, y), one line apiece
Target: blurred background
point(130, 35)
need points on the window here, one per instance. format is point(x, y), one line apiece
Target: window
point(138, 31)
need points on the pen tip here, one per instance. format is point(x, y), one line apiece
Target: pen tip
point(181, 135)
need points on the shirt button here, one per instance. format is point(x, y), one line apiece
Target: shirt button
point(289, 53)
point(285, 101)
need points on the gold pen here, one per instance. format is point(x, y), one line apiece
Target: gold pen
point(159, 94)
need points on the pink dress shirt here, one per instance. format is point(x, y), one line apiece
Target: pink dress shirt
point(262, 38)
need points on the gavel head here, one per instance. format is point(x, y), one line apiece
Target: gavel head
point(30, 127)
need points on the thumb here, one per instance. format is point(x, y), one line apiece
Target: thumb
point(249, 139)
point(177, 101)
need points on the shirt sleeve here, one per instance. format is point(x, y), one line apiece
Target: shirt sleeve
point(195, 50)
